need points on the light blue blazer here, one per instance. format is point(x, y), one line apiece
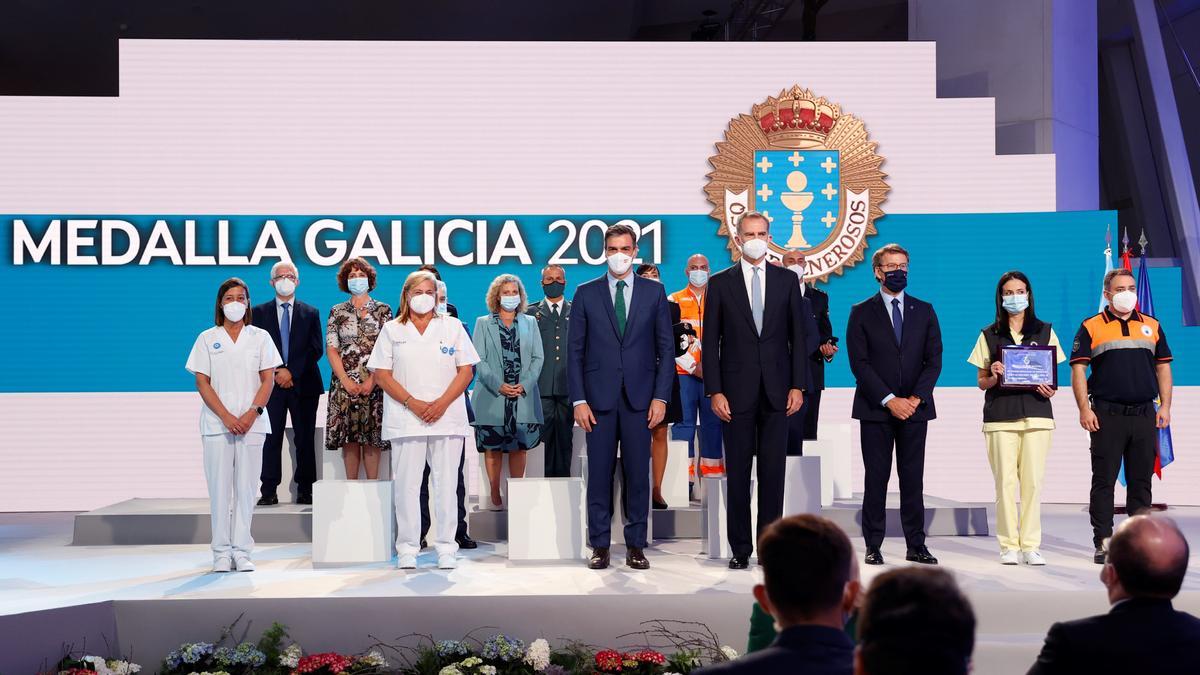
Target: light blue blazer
point(489, 372)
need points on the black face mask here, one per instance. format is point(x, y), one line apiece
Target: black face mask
point(554, 289)
point(896, 280)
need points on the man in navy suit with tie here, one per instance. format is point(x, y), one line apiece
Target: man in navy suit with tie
point(894, 345)
point(755, 370)
point(620, 364)
point(295, 327)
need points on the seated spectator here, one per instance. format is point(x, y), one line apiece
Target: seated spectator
point(915, 620)
point(810, 588)
point(1142, 632)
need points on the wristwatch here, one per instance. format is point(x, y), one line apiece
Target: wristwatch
point(259, 410)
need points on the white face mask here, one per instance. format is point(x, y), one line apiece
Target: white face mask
point(755, 249)
point(285, 287)
point(510, 302)
point(1124, 301)
point(619, 263)
point(443, 308)
point(234, 311)
point(798, 269)
point(422, 304)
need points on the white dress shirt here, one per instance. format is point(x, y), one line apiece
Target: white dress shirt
point(748, 277)
point(279, 310)
point(612, 291)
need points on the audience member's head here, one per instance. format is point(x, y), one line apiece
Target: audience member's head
point(809, 570)
point(1147, 558)
point(915, 620)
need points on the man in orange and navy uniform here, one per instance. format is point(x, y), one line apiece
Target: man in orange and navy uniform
point(1131, 367)
point(691, 378)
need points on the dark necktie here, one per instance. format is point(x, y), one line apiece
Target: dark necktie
point(897, 319)
point(619, 306)
point(285, 330)
point(554, 311)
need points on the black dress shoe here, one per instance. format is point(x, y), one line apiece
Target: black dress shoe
point(659, 506)
point(268, 500)
point(466, 541)
point(1100, 557)
point(599, 559)
point(921, 555)
point(874, 556)
point(636, 559)
point(304, 498)
point(739, 562)
point(424, 543)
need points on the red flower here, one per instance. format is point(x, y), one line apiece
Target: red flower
point(329, 661)
point(609, 660)
point(650, 656)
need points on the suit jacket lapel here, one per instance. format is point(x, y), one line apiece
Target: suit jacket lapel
point(493, 330)
point(885, 315)
point(273, 326)
point(906, 329)
point(740, 297)
point(608, 306)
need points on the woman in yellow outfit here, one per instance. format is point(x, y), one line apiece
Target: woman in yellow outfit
point(1017, 423)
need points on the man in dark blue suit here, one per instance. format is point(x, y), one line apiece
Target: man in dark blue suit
point(894, 346)
point(755, 370)
point(810, 586)
point(296, 329)
point(620, 364)
point(1142, 632)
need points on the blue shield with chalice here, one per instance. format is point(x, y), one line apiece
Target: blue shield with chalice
point(800, 192)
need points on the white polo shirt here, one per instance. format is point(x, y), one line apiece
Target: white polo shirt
point(233, 368)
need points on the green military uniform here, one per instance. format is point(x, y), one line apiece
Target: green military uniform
point(559, 419)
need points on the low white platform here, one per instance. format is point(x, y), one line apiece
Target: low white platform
point(353, 522)
point(547, 519)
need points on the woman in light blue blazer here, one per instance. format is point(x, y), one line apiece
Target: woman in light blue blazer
point(506, 400)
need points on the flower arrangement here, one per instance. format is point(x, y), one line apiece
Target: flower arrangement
point(94, 665)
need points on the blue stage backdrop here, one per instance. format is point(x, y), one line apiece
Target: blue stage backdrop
point(86, 315)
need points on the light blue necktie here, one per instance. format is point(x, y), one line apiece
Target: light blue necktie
point(285, 329)
point(756, 306)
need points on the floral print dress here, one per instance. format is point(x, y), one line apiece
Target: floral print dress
point(355, 419)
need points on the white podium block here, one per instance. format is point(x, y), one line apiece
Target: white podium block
point(546, 519)
point(803, 488)
point(675, 479)
point(353, 522)
point(578, 451)
point(833, 446)
point(714, 530)
point(535, 461)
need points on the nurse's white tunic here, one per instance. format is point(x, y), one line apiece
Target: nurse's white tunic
point(424, 365)
point(233, 368)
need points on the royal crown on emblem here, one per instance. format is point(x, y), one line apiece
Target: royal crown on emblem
point(796, 119)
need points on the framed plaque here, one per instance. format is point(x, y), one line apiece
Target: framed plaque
point(1027, 366)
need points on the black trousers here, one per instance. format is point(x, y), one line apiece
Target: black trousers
point(304, 423)
point(878, 440)
point(462, 498)
point(762, 433)
point(811, 413)
point(796, 430)
point(556, 435)
point(1132, 438)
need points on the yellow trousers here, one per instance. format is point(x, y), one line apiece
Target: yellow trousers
point(1018, 456)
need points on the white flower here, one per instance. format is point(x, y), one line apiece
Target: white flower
point(374, 658)
point(471, 661)
point(538, 655)
point(450, 670)
point(729, 652)
point(290, 658)
point(487, 670)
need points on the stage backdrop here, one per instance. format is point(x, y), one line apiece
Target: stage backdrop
point(219, 158)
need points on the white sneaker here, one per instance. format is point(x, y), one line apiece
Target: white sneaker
point(1010, 557)
point(407, 562)
point(447, 562)
point(244, 564)
point(1034, 557)
point(222, 565)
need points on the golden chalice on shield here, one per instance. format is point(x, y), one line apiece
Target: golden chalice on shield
point(797, 200)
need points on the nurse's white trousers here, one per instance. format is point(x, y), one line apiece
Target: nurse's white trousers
point(232, 465)
point(409, 456)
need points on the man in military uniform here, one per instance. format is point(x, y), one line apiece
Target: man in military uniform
point(552, 315)
point(1131, 366)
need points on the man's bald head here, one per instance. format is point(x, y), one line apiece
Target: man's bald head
point(1149, 556)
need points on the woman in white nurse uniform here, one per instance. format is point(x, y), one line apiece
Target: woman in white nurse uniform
point(422, 361)
point(234, 364)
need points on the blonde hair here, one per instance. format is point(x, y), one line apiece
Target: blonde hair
point(415, 279)
point(493, 292)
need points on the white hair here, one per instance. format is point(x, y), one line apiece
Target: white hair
point(281, 263)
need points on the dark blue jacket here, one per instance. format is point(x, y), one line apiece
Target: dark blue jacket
point(1136, 636)
point(882, 367)
point(799, 650)
point(601, 365)
point(306, 343)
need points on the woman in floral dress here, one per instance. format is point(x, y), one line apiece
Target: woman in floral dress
point(355, 408)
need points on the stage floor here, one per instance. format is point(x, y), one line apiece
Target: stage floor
point(40, 570)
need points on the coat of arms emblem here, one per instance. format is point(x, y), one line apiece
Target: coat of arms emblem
point(807, 166)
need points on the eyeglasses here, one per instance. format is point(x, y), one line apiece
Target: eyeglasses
point(287, 276)
point(892, 267)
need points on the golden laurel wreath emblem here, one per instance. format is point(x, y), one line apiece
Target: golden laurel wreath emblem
point(813, 171)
